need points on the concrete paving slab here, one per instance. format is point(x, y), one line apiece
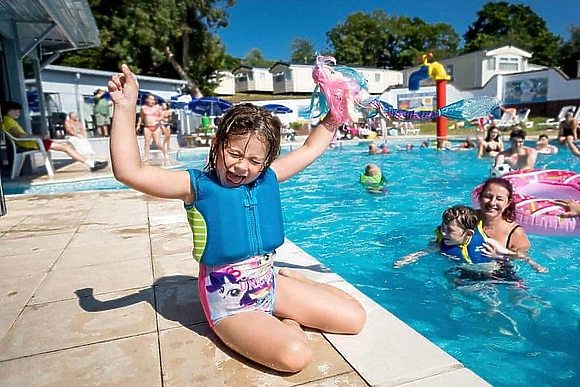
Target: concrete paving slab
point(113, 236)
point(102, 278)
point(72, 323)
point(19, 243)
point(7, 222)
point(99, 252)
point(23, 265)
point(461, 377)
point(53, 221)
point(350, 379)
point(185, 350)
point(15, 292)
point(133, 361)
point(171, 239)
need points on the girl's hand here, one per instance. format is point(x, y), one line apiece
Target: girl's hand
point(123, 87)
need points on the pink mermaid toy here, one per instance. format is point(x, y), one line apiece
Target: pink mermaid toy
point(342, 91)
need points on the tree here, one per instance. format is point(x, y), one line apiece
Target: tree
point(302, 51)
point(231, 62)
point(159, 37)
point(501, 23)
point(380, 40)
point(362, 40)
point(570, 52)
point(255, 58)
point(414, 37)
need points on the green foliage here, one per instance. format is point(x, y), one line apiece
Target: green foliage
point(380, 40)
point(296, 125)
point(500, 23)
point(145, 33)
point(570, 52)
point(255, 58)
point(302, 51)
point(231, 62)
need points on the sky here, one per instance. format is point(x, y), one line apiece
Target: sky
point(272, 25)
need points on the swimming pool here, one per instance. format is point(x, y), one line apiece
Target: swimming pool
point(511, 337)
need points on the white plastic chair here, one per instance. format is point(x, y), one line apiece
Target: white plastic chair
point(19, 154)
point(522, 117)
point(553, 122)
point(507, 120)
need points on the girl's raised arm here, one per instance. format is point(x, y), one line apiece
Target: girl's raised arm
point(125, 156)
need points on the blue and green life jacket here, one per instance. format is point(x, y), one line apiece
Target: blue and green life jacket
point(469, 252)
point(232, 224)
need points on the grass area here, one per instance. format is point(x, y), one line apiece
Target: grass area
point(430, 128)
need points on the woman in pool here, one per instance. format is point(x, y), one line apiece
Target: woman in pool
point(497, 213)
point(492, 144)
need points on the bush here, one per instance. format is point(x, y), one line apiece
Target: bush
point(296, 125)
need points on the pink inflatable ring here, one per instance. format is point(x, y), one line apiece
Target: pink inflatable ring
point(534, 192)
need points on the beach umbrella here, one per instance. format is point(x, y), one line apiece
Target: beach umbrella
point(209, 106)
point(277, 108)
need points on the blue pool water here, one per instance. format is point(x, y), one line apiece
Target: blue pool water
point(510, 337)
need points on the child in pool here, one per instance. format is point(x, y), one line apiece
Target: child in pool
point(251, 308)
point(373, 180)
point(461, 238)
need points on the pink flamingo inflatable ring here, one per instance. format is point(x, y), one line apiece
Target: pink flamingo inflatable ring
point(534, 192)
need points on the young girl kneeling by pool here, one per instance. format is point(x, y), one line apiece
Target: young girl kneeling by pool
point(234, 210)
point(462, 239)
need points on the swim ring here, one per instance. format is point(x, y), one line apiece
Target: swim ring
point(533, 195)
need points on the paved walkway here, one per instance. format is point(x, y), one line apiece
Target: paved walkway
point(99, 288)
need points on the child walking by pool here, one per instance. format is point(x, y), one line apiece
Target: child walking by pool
point(234, 210)
point(462, 239)
point(373, 180)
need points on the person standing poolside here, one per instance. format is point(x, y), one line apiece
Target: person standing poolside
point(102, 113)
point(543, 147)
point(150, 116)
point(12, 111)
point(235, 212)
point(517, 155)
point(492, 145)
point(166, 118)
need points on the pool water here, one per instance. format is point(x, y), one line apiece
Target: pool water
point(509, 336)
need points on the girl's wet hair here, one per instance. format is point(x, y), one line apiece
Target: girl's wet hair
point(241, 120)
point(509, 213)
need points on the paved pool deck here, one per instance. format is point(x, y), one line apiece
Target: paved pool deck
point(99, 288)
